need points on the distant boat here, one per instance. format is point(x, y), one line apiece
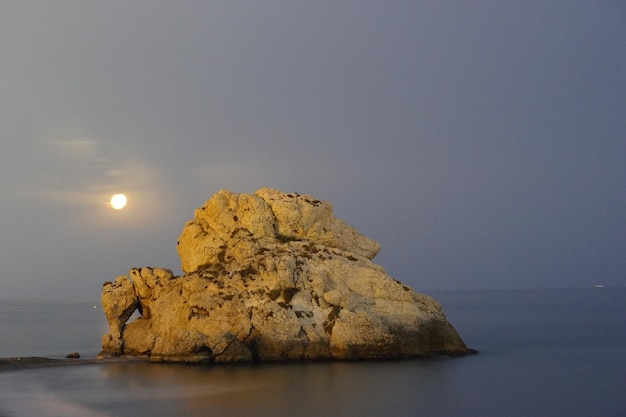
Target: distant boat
point(598, 286)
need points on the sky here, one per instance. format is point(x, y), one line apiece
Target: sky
point(482, 143)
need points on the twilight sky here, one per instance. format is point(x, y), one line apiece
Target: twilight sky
point(482, 143)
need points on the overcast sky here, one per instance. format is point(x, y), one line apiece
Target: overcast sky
point(482, 143)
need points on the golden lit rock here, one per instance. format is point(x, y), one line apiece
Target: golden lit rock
point(272, 276)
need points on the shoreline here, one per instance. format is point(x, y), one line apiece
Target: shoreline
point(31, 362)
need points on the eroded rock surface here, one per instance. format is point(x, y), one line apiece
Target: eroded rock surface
point(272, 276)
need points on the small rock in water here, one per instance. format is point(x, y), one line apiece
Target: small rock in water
point(73, 355)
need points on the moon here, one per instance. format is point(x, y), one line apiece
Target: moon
point(118, 201)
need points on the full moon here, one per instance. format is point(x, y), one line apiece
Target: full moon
point(118, 201)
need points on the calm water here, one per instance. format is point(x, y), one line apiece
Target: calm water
point(542, 353)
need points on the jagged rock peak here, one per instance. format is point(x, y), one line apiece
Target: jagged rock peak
point(268, 216)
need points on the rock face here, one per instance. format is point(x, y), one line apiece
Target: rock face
point(272, 277)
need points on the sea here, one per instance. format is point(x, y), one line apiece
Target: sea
point(542, 353)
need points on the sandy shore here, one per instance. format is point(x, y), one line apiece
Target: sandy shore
point(13, 364)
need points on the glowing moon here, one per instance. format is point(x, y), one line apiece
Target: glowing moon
point(118, 201)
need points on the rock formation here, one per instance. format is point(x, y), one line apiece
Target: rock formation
point(271, 276)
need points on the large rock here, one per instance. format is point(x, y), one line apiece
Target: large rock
point(271, 277)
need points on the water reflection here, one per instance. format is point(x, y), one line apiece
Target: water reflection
point(303, 389)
